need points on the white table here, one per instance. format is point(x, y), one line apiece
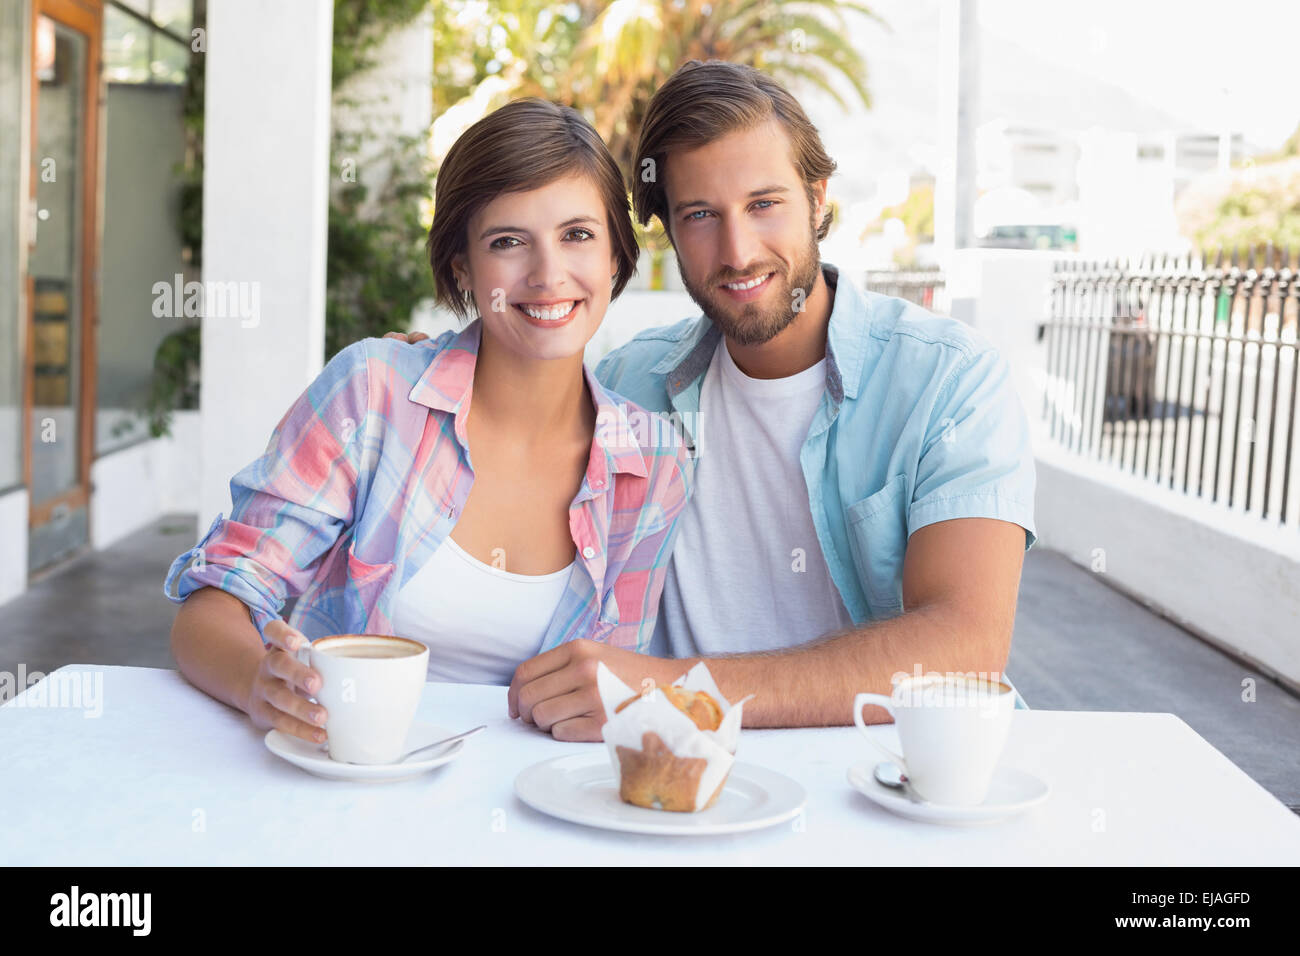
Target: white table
point(166, 775)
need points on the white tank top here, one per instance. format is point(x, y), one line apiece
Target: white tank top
point(479, 622)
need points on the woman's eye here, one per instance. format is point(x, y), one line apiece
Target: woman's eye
point(690, 216)
point(496, 243)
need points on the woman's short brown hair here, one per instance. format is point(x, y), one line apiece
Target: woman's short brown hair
point(702, 101)
point(521, 146)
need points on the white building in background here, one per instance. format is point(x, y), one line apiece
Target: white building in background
point(1114, 189)
point(1040, 162)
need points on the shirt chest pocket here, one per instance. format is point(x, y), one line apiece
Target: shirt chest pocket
point(877, 530)
point(365, 583)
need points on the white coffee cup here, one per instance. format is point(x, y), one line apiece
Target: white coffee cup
point(952, 729)
point(371, 687)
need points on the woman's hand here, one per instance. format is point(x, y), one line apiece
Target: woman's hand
point(282, 685)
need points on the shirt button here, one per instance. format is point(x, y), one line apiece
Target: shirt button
point(588, 553)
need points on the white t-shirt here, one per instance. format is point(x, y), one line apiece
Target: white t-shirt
point(747, 571)
point(479, 622)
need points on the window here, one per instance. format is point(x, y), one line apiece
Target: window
point(145, 64)
point(146, 46)
point(14, 30)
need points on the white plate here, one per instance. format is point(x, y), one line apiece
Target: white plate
point(315, 758)
point(1012, 791)
point(583, 788)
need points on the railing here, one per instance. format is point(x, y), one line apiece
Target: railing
point(1182, 371)
point(924, 287)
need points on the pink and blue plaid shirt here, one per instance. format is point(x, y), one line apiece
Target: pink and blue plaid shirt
point(367, 472)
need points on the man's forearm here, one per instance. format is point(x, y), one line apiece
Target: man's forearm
point(813, 685)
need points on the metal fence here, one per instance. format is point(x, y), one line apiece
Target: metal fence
point(1182, 370)
point(924, 287)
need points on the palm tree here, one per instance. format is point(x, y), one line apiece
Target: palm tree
point(630, 47)
point(607, 59)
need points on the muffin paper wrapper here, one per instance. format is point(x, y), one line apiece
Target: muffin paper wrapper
point(653, 713)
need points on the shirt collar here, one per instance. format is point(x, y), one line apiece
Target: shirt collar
point(845, 343)
point(448, 384)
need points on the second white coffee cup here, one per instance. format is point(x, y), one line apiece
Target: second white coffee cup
point(371, 687)
point(953, 730)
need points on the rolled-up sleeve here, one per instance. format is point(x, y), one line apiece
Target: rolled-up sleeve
point(290, 505)
point(977, 460)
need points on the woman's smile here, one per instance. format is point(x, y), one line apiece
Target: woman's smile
point(549, 315)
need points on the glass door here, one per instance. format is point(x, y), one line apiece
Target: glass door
point(61, 275)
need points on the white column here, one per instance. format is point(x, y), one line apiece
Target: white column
point(954, 187)
point(265, 209)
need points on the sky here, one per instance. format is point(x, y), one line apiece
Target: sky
point(1135, 65)
point(1208, 61)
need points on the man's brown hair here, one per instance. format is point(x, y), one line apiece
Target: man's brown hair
point(702, 101)
point(519, 147)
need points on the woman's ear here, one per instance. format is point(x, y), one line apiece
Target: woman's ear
point(458, 269)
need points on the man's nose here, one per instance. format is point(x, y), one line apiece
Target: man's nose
point(740, 247)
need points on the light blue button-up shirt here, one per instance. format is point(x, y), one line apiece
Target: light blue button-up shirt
point(920, 422)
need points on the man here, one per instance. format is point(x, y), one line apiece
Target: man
point(864, 480)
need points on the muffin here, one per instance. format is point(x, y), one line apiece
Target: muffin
point(671, 747)
point(696, 704)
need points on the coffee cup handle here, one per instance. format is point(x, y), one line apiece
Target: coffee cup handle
point(304, 656)
point(880, 700)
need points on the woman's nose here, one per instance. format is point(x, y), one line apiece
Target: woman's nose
point(547, 274)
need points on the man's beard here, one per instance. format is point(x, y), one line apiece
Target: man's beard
point(750, 323)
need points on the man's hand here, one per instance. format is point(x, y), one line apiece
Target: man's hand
point(556, 690)
point(410, 338)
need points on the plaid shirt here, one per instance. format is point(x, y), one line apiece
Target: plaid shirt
point(366, 473)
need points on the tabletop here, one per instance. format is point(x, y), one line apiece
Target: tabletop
point(146, 769)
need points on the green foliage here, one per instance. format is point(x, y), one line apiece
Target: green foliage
point(175, 382)
point(1259, 203)
point(360, 26)
point(376, 268)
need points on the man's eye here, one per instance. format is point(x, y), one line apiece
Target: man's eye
point(690, 216)
point(770, 202)
point(503, 239)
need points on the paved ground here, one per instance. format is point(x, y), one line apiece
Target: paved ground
point(1079, 645)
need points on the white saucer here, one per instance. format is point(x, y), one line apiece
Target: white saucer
point(1012, 791)
point(583, 788)
point(315, 758)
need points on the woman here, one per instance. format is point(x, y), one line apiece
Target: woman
point(490, 529)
